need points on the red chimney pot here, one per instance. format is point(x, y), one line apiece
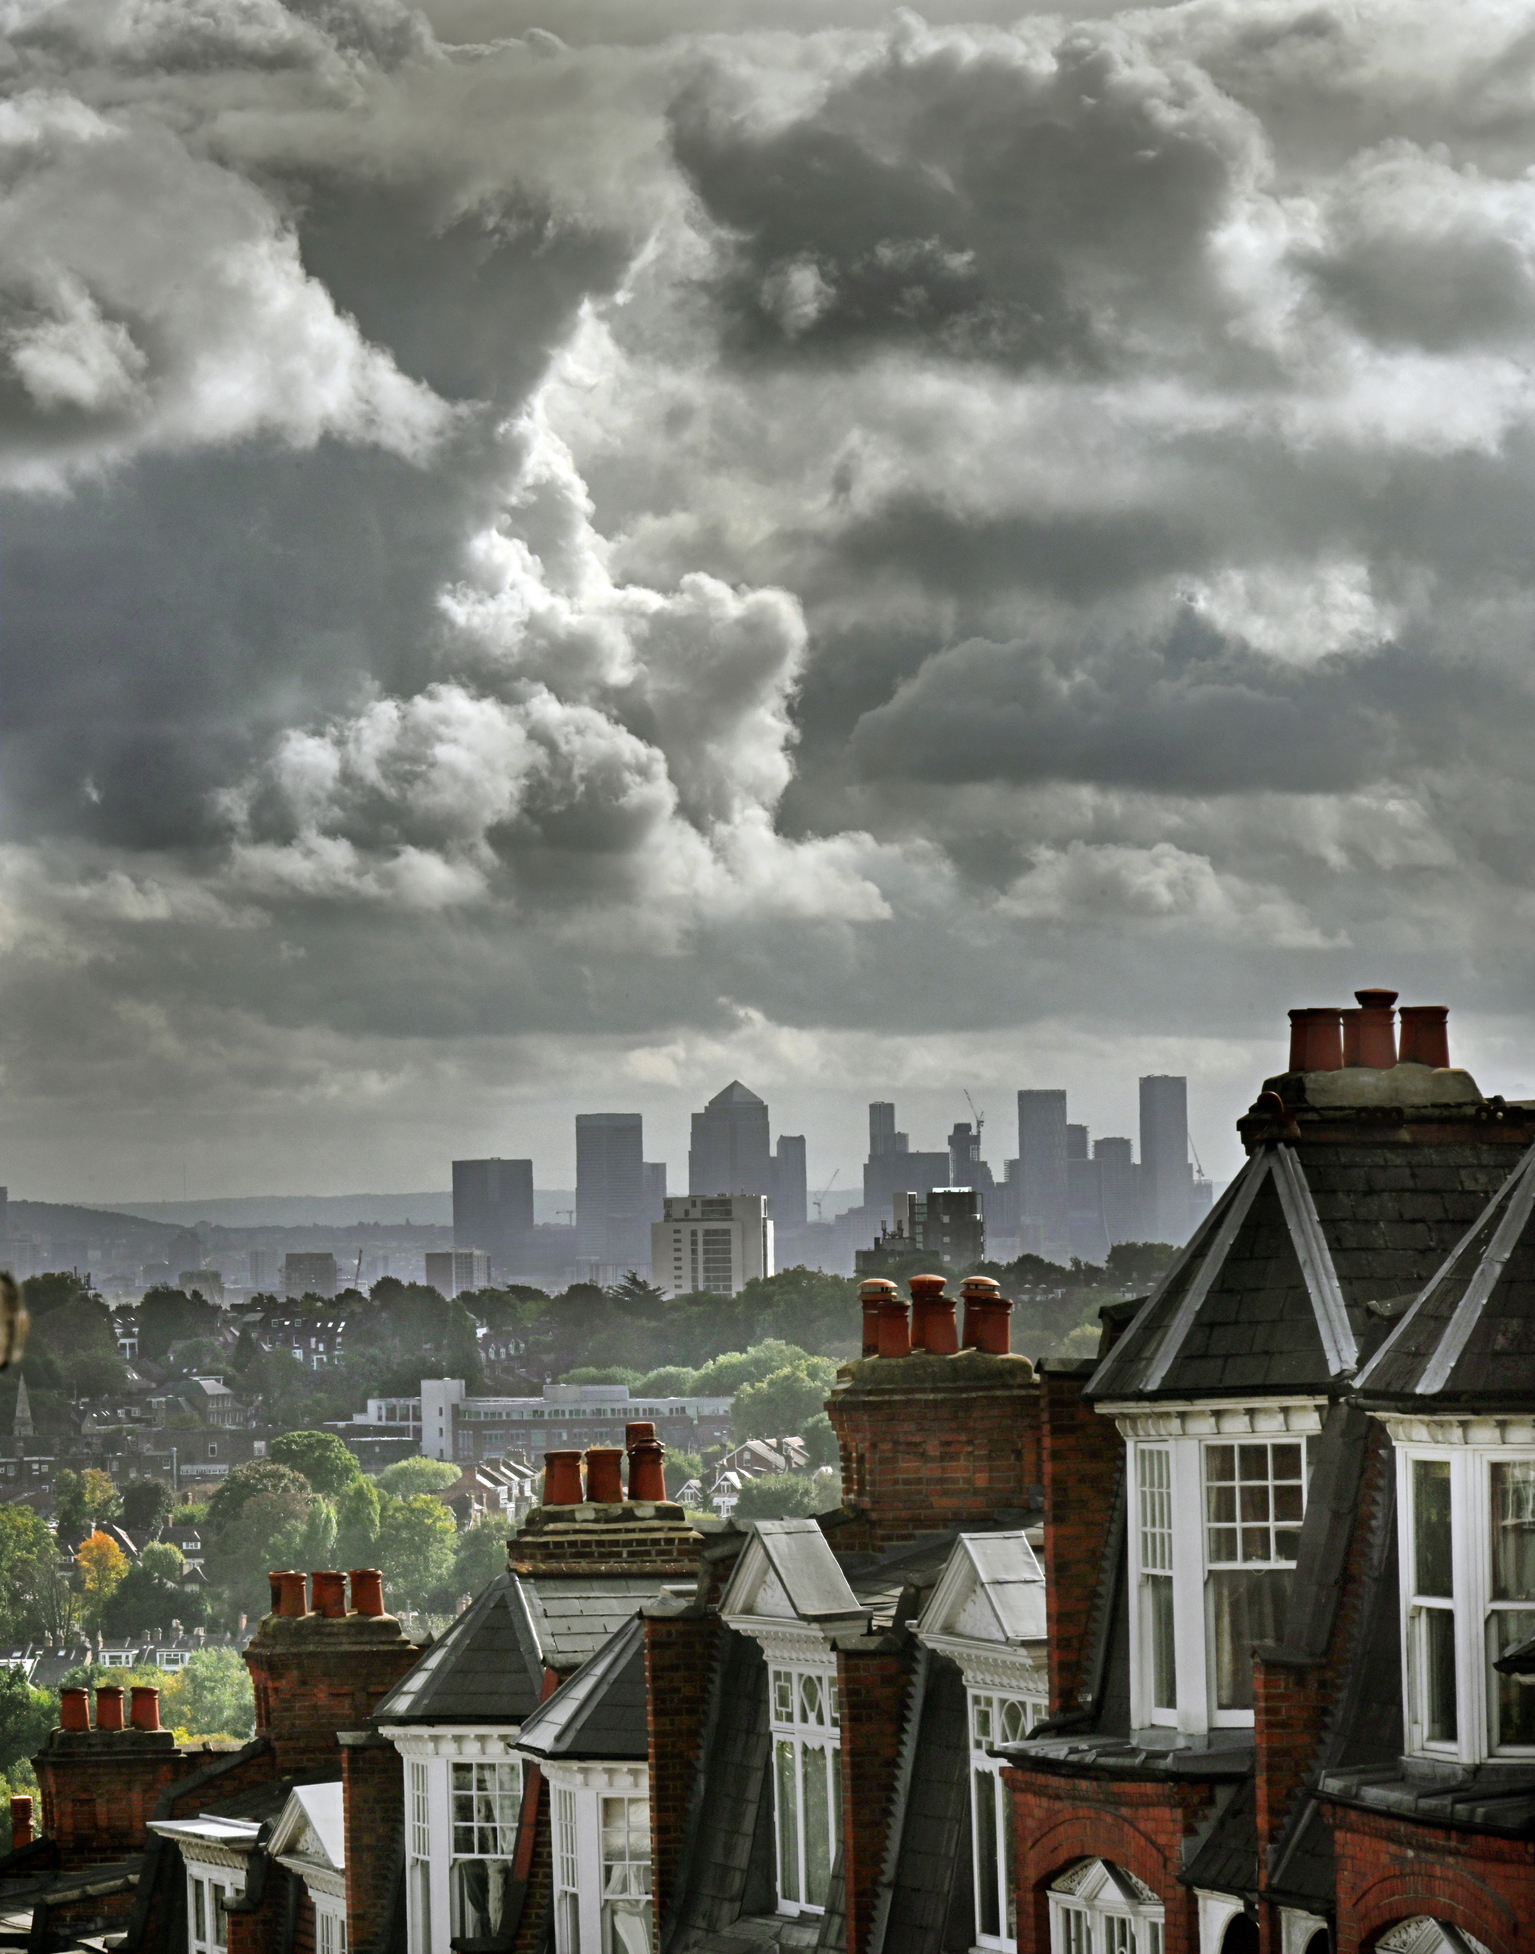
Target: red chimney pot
point(894, 1326)
point(604, 1484)
point(932, 1317)
point(871, 1294)
point(329, 1589)
point(1377, 1029)
point(647, 1466)
point(988, 1316)
point(367, 1591)
point(1316, 1039)
point(109, 1707)
point(145, 1711)
point(1425, 1034)
point(1351, 1035)
point(562, 1479)
point(291, 1596)
point(21, 1821)
point(75, 1708)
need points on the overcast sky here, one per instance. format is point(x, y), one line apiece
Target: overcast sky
point(555, 554)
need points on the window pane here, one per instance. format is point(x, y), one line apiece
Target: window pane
point(1156, 1508)
point(980, 1720)
point(1015, 1722)
point(783, 1695)
point(1515, 1700)
point(812, 1702)
point(1432, 1572)
point(1437, 1654)
point(1513, 1530)
point(1164, 1673)
point(199, 1910)
point(1244, 1609)
point(988, 1914)
point(788, 1820)
point(818, 1850)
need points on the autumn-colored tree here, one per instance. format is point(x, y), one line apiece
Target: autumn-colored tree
point(103, 1565)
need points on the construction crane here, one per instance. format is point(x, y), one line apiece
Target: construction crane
point(980, 1121)
point(817, 1199)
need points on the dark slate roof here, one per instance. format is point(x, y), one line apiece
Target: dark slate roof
point(1227, 1861)
point(600, 1711)
point(487, 1668)
point(573, 1615)
point(1273, 1292)
point(1470, 1334)
point(932, 1898)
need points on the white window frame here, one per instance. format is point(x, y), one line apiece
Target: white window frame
point(1183, 1430)
point(996, 1716)
point(499, 1780)
point(793, 1680)
point(584, 1910)
point(1096, 1908)
point(329, 1926)
point(216, 1885)
point(1471, 1447)
point(429, 1752)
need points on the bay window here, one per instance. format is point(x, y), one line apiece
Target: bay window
point(807, 1793)
point(208, 1896)
point(994, 1719)
point(487, 1801)
point(1467, 1561)
point(1099, 1908)
point(602, 1865)
point(1217, 1498)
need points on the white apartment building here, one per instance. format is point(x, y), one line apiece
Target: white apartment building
point(718, 1242)
point(449, 1423)
point(449, 1270)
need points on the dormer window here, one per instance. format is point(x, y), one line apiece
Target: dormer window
point(1468, 1593)
point(807, 1783)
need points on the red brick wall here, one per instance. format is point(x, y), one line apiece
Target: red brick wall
point(1141, 1826)
point(99, 1789)
point(1390, 1869)
point(679, 1652)
point(533, 1934)
point(1083, 1458)
point(930, 1442)
point(373, 1803)
point(314, 1676)
point(872, 1685)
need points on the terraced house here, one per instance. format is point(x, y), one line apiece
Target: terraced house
point(1222, 1641)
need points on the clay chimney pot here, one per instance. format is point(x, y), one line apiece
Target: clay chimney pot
point(367, 1591)
point(21, 1821)
point(145, 1711)
point(988, 1317)
point(647, 1467)
point(75, 1709)
point(871, 1294)
point(932, 1317)
point(894, 1327)
point(292, 1594)
point(562, 1479)
point(1351, 1036)
point(329, 1589)
point(1425, 1034)
point(109, 1707)
point(1377, 1029)
point(1316, 1039)
point(636, 1430)
point(604, 1481)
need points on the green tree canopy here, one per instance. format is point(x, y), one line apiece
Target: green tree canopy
point(407, 1477)
point(778, 1496)
point(357, 1510)
point(724, 1375)
point(248, 1482)
point(416, 1542)
point(212, 1697)
point(1139, 1266)
point(782, 1402)
point(83, 1497)
point(26, 1717)
point(821, 1447)
point(320, 1457)
point(147, 1505)
point(479, 1556)
point(166, 1316)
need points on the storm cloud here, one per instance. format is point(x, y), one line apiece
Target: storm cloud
point(553, 554)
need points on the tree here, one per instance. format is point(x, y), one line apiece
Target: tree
point(416, 1541)
point(147, 1505)
point(724, 1375)
point(150, 1595)
point(1139, 1266)
point(84, 1497)
point(26, 1717)
point(357, 1524)
point(247, 1482)
point(479, 1556)
point(785, 1400)
point(680, 1468)
point(407, 1477)
point(166, 1316)
point(102, 1564)
point(320, 1457)
point(212, 1697)
point(777, 1496)
point(821, 1448)
point(30, 1583)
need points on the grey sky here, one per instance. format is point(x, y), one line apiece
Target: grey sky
point(550, 556)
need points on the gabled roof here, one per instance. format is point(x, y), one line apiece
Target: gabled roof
point(312, 1826)
point(787, 1569)
point(1470, 1332)
point(600, 1711)
point(1251, 1304)
point(487, 1668)
point(993, 1590)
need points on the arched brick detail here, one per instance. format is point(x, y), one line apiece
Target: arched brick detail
point(1404, 1896)
point(1390, 1870)
point(1099, 1836)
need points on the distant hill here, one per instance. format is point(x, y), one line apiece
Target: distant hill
point(111, 1230)
point(297, 1210)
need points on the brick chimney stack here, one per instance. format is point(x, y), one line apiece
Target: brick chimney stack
point(99, 1786)
point(321, 1671)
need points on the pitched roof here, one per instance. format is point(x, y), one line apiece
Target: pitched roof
point(1253, 1302)
point(992, 1590)
point(487, 1668)
point(788, 1569)
point(600, 1711)
point(735, 1094)
point(1470, 1332)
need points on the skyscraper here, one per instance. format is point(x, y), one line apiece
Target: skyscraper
point(892, 1168)
point(789, 1189)
point(492, 1211)
point(1084, 1199)
point(1116, 1180)
point(730, 1152)
point(883, 1137)
point(1167, 1176)
point(612, 1222)
point(1042, 1169)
